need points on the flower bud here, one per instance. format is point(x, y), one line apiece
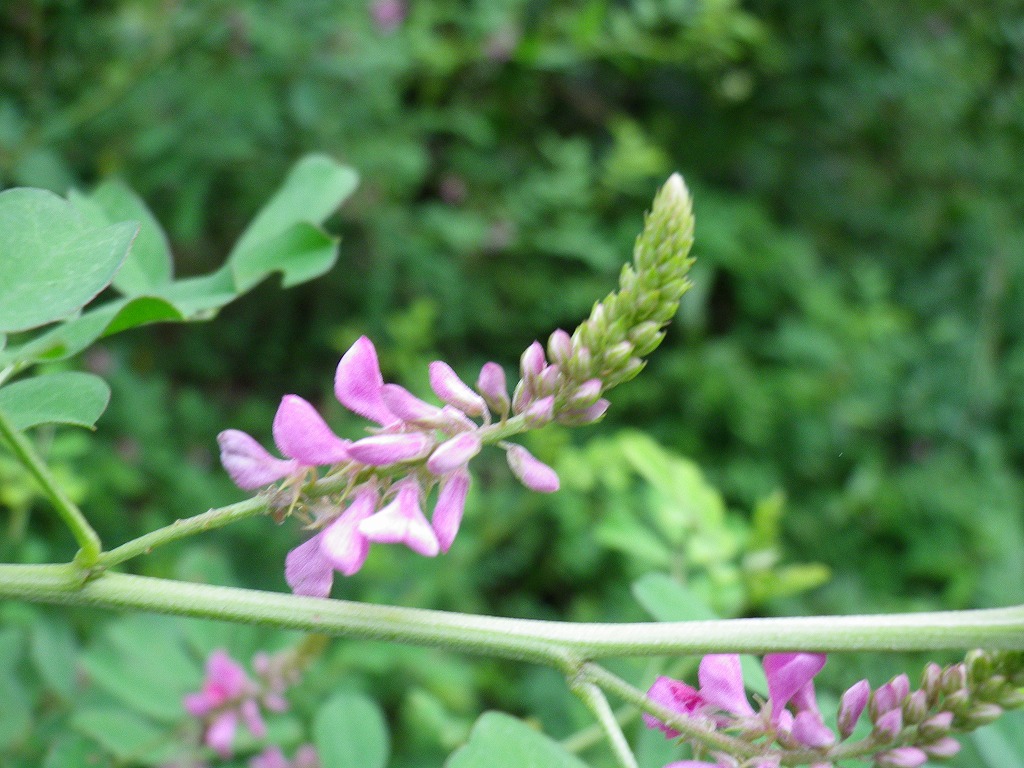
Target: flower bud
point(404, 405)
point(1011, 698)
point(491, 384)
point(947, 746)
point(549, 381)
point(931, 680)
point(901, 757)
point(646, 337)
point(617, 355)
point(540, 412)
point(851, 706)
point(888, 725)
point(936, 726)
point(531, 472)
point(532, 361)
point(954, 678)
point(585, 395)
point(577, 417)
point(915, 707)
point(983, 714)
point(522, 397)
point(559, 347)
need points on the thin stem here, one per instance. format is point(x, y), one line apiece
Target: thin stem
point(587, 737)
point(561, 644)
point(179, 529)
point(693, 730)
point(596, 702)
point(21, 446)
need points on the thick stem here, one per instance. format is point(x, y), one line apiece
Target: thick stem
point(21, 446)
point(179, 529)
point(561, 644)
point(596, 702)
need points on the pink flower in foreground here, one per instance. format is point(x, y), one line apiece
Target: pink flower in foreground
point(790, 678)
point(402, 522)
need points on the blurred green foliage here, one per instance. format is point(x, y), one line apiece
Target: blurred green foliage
point(852, 340)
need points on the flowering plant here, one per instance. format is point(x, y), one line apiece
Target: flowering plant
point(353, 493)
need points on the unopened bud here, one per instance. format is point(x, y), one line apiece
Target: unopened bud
point(559, 347)
point(532, 361)
point(646, 337)
point(851, 706)
point(901, 757)
point(936, 726)
point(983, 714)
point(888, 726)
point(548, 382)
point(954, 678)
point(576, 417)
point(915, 707)
point(931, 680)
point(617, 355)
point(1011, 698)
point(947, 746)
point(540, 412)
point(491, 384)
point(585, 395)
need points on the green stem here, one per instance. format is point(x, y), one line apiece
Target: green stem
point(596, 702)
point(179, 529)
point(561, 644)
point(21, 446)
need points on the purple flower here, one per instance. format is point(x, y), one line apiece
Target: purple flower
point(273, 757)
point(343, 545)
point(851, 705)
point(307, 569)
point(721, 684)
point(383, 450)
point(388, 15)
point(787, 673)
point(454, 453)
point(492, 385)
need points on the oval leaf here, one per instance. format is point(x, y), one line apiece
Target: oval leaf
point(149, 264)
point(54, 260)
point(350, 732)
point(57, 398)
point(500, 739)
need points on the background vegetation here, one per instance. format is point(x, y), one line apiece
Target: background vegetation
point(847, 372)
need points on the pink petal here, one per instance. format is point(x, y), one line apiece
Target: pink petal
point(787, 673)
point(721, 683)
point(577, 417)
point(851, 705)
point(944, 747)
point(358, 382)
point(901, 757)
point(491, 384)
point(382, 450)
point(809, 729)
point(454, 453)
point(533, 473)
point(199, 704)
point(674, 695)
point(451, 502)
point(344, 547)
point(451, 389)
point(559, 347)
point(248, 463)
point(540, 412)
point(302, 434)
point(890, 724)
point(403, 522)
point(225, 677)
point(221, 733)
point(404, 405)
point(271, 757)
point(253, 719)
point(532, 361)
point(307, 571)
point(306, 757)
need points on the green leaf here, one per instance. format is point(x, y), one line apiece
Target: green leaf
point(314, 189)
point(350, 732)
point(73, 749)
point(126, 735)
point(149, 264)
point(300, 253)
point(54, 260)
point(15, 711)
point(54, 652)
point(667, 600)
point(500, 739)
point(143, 662)
point(58, 398)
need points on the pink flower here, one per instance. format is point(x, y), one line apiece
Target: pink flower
point(533, 473)
point(454, 453)
point(451, 501)
point(383, 450)
point(403, 522)
point(388, 15)
point(452, 390)
point(721, 684)
point(674, 695)
point(301, 434)
point(227, 695)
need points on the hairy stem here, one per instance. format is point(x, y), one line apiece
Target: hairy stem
point(179, 529)
point(561, 644)
point(22, 448)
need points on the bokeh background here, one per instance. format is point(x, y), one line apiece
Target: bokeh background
point(842, 391)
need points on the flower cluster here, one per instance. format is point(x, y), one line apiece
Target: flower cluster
point(230, 697)
point(415, 446)
point(373, 490)
point(908, 727)
point(273, 757)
